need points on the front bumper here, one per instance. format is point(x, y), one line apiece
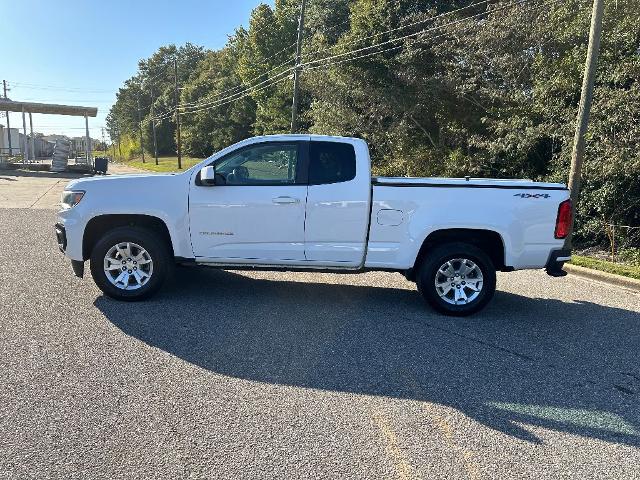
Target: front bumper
point(78, 268)
point(69, 230)
point(556, 262)
point(61, 237)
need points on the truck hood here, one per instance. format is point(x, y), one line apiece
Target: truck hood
point(113, 180)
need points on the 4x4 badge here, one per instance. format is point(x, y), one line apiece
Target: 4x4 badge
point(532, 195)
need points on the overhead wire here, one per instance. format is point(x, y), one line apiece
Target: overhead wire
point(36, 86)
point(251, 89)
point(426, 30)
point(234, 99)
point(213, 104)
point(203, 100)
point(306, 67)
point(402, 27)
point(237, 96)
point(194, 107)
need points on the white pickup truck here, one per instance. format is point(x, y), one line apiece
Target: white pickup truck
point(307, 202)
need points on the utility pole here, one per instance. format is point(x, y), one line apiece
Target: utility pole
point(104, 144)
point(140, 129)
point(586, 96)
point(32, 142)
point(153, 127)
point(297, 72)
point(25, 148)
point(119, 145)
point(175, 96)
point(4, 84)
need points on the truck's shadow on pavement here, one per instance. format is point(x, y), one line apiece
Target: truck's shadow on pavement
point(537, 362)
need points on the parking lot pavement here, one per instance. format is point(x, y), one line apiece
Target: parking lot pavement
point(33, 189)
point(294, 375)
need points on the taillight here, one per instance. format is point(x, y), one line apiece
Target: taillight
point(563, 221)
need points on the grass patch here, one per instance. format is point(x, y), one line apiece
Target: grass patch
point(165, 164)
point(605, 266)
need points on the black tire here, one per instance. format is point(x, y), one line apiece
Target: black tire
point(441, 255)
point(155, 247)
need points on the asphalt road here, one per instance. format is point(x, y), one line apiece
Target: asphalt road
point(295, 375)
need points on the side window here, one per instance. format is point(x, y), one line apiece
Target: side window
point(265, 164)
point(331, 162)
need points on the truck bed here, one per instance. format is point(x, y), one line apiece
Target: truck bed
point(522, 212)
point(465, 182)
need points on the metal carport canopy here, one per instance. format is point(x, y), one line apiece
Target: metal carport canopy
point(47, 108)
point(50, 109)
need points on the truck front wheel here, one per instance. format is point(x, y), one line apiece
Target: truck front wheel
point(130, 263)
point(457, 279)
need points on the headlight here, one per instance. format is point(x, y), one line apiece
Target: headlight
point(70, 198)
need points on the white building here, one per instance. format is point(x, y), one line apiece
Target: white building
point(43, 148)
point(15, 141)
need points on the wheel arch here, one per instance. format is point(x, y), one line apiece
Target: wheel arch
point(101, 224)
point(489, 241)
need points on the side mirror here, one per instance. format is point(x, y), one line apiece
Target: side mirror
point(208, 175)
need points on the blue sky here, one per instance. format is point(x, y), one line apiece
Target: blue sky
point(79, 52)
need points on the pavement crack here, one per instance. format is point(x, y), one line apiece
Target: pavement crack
point(622, 389)
point(481, 342)
point(46, 191)
point(632, 375)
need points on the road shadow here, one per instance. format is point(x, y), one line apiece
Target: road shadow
point(522, 362)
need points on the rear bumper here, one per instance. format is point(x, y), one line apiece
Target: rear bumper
point(556, 262)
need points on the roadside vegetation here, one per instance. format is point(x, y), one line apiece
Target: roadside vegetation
point(437, 88)
point(165, 164)
point(625, 269)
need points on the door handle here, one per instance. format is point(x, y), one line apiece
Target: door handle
point(285, 200)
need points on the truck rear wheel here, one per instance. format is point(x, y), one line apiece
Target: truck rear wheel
point(130, 263)
point(457, 279)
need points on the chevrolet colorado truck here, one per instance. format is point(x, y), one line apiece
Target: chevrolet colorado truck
point(308, 202)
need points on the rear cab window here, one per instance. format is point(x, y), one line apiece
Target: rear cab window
point(331, 162)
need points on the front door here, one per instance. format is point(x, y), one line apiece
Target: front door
point(256, 214)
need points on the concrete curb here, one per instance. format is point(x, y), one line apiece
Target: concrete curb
point(609, 278)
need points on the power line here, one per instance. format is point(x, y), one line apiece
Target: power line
point(252, 87)
point(442, 15)
point(325, 62)
point(325, 65)
point(243, 96)
point(231, 98)
point(297, 70)
point(35, 86)
point(161, 72)
point(200, 102)
point(49, 100)
point(427, 30)
point(203, 100)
